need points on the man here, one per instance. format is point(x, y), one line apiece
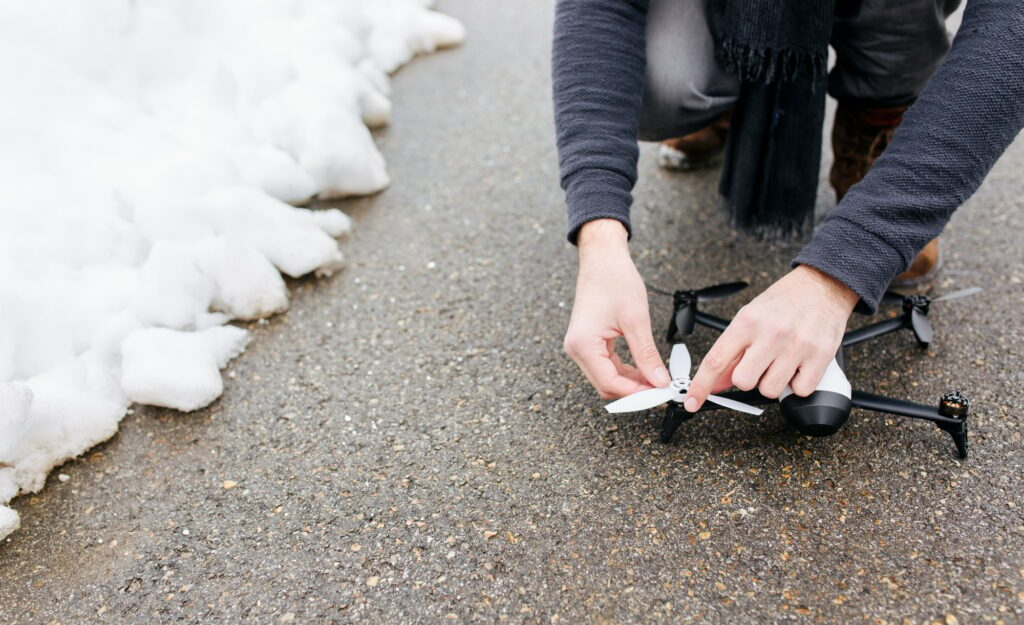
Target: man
point(764, 60)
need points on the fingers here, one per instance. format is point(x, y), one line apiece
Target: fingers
point(645, 352)
point(755, 360)
point(725, 380)
point(625, 369)
point(809, 375)
point(594, 358)
point(778, 375)
point(786, 335)
point(722, 356)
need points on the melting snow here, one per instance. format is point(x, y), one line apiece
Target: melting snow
point(151, 150)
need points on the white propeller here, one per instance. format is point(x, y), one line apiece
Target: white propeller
point(679, 368)
point(958, 294)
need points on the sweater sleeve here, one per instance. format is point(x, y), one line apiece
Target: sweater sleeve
point(598, 62)
point(948, 141)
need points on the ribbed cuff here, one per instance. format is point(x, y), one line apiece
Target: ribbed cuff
point(597, 194)
point(858, 258)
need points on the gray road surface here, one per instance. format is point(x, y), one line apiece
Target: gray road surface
point(410, 445)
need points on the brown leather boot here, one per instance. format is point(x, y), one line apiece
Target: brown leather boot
point(859, 137)
point(699, 149)
point(922, 273)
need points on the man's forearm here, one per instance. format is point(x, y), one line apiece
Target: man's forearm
point(598, 60)
point(946, 145)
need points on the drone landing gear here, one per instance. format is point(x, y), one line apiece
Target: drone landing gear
point(685, 304)
point(676, 415)
point(951, 415)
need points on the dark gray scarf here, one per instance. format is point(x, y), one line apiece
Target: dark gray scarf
point(779, 49)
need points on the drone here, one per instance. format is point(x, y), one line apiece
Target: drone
point(826, 410)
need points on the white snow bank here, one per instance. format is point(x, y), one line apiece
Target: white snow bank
point(150, 151)
point(175, 369)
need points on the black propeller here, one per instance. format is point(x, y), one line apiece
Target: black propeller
point(918, 306)
point(684, 311)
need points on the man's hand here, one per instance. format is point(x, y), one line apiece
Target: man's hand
point(611, 301)
point(787, 335)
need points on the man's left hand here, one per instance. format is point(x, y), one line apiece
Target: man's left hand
point(787, 335)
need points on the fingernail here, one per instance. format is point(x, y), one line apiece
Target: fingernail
point(662, 378)
point(690, 404)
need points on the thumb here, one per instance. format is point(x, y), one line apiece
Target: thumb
point(646, 356)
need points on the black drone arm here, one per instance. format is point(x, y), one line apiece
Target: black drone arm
point(711, 321)
point(875, 330)
point(956, 426)
point(853, 337)
point(900, 407)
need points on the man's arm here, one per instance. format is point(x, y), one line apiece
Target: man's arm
point(598, 75)
point(947, 143)
point(598, 62)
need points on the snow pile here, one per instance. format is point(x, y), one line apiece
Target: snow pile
point(151, 150)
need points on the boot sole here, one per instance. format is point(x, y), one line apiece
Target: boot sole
point(674, 160)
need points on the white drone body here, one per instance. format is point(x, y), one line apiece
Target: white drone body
point(834, 381)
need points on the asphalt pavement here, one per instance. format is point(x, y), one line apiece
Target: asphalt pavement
point(408, 444)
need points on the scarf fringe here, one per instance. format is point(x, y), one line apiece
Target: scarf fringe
point(766, 65)
point(776, 229)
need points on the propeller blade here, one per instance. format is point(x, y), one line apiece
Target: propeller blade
point(720, 290)
point(679, 361)
point(892, 299)
point(974, 290)
point(921, 325)
point(725, 402)
point(641, 401)
point(686, 318)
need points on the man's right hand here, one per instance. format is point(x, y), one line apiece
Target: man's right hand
point(611, 301)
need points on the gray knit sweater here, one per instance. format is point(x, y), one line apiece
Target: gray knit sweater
point(947, 143)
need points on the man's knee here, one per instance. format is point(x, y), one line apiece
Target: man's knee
point(685, 89)
point(886, 53)
point(679, 110)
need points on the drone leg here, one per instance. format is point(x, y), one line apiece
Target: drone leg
point(959, 434)
point(674, 417)
point(956, 406)
point(675, 414)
